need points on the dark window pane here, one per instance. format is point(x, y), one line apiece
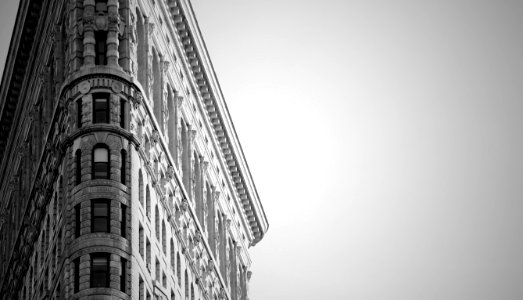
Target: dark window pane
point(101, 108)
point(100, 170)
point(100, 216)
point(99, 270)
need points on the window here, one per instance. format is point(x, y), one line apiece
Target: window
point(78, 160)
point(101, 108)
point(123, 229)
point(79, 113)
point(157, 269)
point(164, 242)
point(100, 37)
point(173, 258)
point(141, 289)
point(141, 246)
point(123, 273)
point(100, 270)
point(148, 252)
point(178, 269)
point(77, 220)
point(186, 284)
point(76, 274)
point(147, 202)
point(100, 215)
point(123, 166)
point(140, 186)
point(122, 113)
point(101, 162)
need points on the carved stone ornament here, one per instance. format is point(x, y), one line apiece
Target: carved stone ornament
point(84, 87)
point(228, 223)
point(150, 27)
point(179, 101)
point(137, 100)
point(44, 75)
point(13, 184)
point(216, 195)
point(88, 20)
point(210, 266)
point(170, 172)
point(192, 135)
point(114, 20)
point(101, 22)
point(197, 238)
point(185, 205)
point(117, 87)
point(165, 66)
point(156, 136)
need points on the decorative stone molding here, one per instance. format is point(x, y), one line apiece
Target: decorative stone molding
point(155, 136)
point(150, 27)
point(185, 205)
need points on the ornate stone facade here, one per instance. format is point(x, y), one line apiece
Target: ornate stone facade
point(121, 175)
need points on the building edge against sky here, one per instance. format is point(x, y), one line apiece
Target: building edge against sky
point(121, 173)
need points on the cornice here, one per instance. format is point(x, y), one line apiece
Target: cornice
point(218, 114)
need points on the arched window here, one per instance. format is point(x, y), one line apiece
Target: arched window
point(100, 107)
point(123, 167)
point(78, 166)
point(101, 162)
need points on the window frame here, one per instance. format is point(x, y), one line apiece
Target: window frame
point(100, 47)
point(107, 218)
point(106, 110)
point(108, 166)
point(107, 272)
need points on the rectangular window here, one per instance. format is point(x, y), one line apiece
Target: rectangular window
point(77, 220)
point(101, 108)
point(123, 166)
point(141, 289)
point(76, 274)
point(100, 37)
point(123, 230)
point(79, 113)
point(100, 270)
point(141, 245)
point(100, 215)
point(101, 167)
point(122, 113)
point(123, 273)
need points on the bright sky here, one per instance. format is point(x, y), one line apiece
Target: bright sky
point(385, 139)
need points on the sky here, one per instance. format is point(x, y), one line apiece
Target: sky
point(385, 138)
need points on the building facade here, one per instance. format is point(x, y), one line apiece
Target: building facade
point(121, 174)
